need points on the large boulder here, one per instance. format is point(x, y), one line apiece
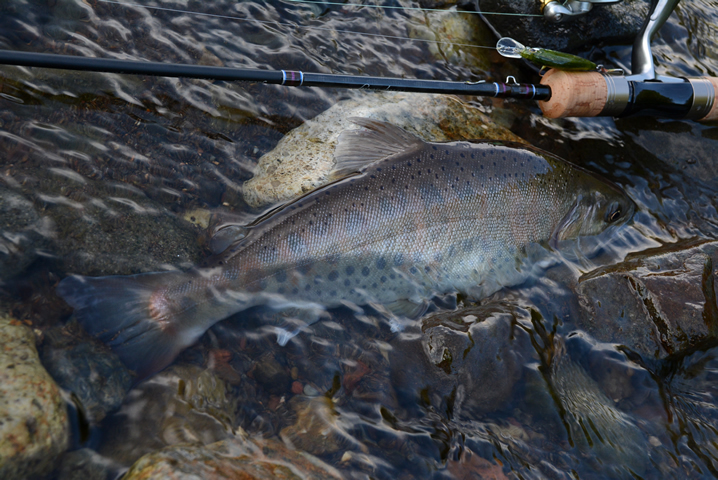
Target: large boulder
point(304, 159)
point(34, 428)
point(657, 303)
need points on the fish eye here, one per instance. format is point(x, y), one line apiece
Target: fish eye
point(613, 213)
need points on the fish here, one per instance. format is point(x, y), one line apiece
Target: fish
point(405, 220)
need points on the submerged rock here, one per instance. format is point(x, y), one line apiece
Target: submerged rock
point(657, 303)
point(304, 159)
point(596, 427)
point(251, 460)
point(86, 464)
point(466, 362)
point(182, 404)
point(453, 36)
point(34, 428)
point(319, 428)
point(86, 367)
point(23, 232)
point(603, 24)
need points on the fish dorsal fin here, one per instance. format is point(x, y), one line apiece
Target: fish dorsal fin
point(358, 148)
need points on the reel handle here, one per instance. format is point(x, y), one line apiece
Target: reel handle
point(591, 94)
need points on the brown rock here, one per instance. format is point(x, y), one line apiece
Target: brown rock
point(658, 303)
point(249, 460)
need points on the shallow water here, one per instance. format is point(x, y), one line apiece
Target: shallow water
point(103, 159)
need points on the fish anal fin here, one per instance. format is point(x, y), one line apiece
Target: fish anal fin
point(378, 140)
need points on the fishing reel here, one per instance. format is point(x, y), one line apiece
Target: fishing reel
point(556, 11)
point(611, 93)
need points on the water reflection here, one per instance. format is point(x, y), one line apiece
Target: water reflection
point(521, 386)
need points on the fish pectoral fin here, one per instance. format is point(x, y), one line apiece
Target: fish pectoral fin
point(358, 148)
point(407, 308)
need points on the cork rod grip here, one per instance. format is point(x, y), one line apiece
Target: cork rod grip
point(713, 113)
point(574, 94)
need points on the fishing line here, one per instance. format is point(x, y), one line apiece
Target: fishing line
point(419, 9)
point(290, 25)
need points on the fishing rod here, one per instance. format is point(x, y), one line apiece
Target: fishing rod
point(562, 92)
point(289, 78)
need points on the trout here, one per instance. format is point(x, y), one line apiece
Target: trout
point(406, 221)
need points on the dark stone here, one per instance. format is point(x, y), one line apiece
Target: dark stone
point(619, 22)
point(271, 375)
point(87, 368)
point(86, 464)
point(466, 362)
point(657, 303)
point(22, 233)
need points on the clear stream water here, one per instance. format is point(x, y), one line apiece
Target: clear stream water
point(108, 158)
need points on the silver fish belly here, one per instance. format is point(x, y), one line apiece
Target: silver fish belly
point(410, 220)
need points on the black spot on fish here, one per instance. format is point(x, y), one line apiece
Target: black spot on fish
point(392, 276)
point(398, 259)
point(295, 291)
point(413, 270)
point(381, 263)
point(280, 290)
point(347, 282)
point(427, 269)
point(408, 164)
point(365, 271)
point(333, 275)
point(383, 279)
point(374, 285)
point(281, 277)
point(333, 293)
point(433, 147)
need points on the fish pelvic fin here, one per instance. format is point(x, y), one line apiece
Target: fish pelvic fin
point(378, 140)
point(126, 313)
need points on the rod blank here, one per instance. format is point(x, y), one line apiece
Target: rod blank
point(275, 77)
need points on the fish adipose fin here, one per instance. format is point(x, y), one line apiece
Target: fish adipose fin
point(119, 311)
point(358, 148)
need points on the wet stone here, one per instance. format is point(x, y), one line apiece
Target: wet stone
point(657, 303)
point(182, 404)
point(468, 361)
point(230, 459)
point(304, 159)
point(86, 464)
point(319, 428)
point(271, 375)
point(86, 367)
point(23, 232)
point(596, 427)
point(34, 427)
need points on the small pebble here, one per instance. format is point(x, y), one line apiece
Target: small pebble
point(310, 391)
point(297, 388)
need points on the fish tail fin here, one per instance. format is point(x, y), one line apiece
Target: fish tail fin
point(122, 311)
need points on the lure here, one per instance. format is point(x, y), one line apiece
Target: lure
point(508, 47)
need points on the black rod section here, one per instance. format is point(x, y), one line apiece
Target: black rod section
point(276, 77)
